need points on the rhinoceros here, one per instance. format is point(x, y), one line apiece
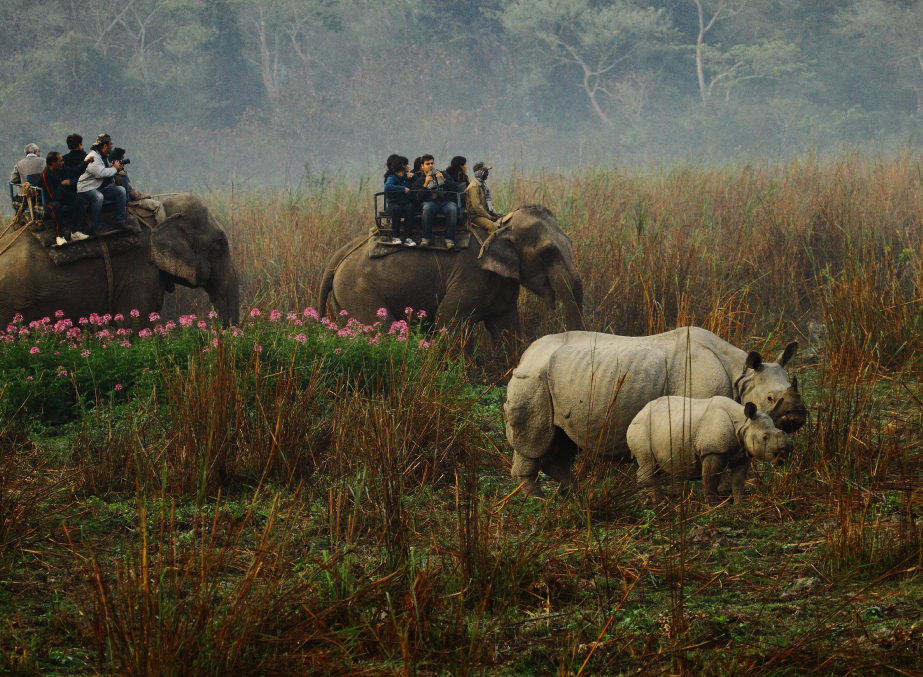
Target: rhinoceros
point(695, 439)
point(581, 390)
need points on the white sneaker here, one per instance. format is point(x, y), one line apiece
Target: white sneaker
point(77, 235)
point(396, 240)
point(61, 241)
point(410, 243)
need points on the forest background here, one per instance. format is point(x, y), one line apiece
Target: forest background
point(214, 93)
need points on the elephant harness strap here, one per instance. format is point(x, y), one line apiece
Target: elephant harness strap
point(109, 276)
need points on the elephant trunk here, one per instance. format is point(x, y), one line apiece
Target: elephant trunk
point(224, 292)
point(568, 288)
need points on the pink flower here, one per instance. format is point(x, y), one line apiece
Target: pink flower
point(135, 313)
point(343, 313)
point(257, 348)
point(299, 323)
point(62, 372)
point(118, 386)
point(170, 325)
point(421, 314)
point(118, 317)
point(203, 325)
point(154, 317)
point(84, 353)
point(125, 344)
point(255, 312)
point(205, 349)
point(34, 350)
point(29, 378)
point(423, 344)
point(186, 320)
point(336, 351)
point(84, 320)
point(215, 342)
point(144, 333)
point(212, 315)
point(275, 316)
point(310, 313)
point(17, 318)
point(235, 332)
point(291, 317)
point(59, 313)
point(408, 311)
point(301, 338)
point(106, 319)
point(444, 331)
point(382, 313)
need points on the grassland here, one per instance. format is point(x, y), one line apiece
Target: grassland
point(253, 514)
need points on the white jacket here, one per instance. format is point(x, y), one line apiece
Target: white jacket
point(96, 171)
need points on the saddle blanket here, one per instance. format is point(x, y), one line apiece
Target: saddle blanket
point(380, 245)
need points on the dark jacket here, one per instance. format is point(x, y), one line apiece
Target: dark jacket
point(394, 189)
point(51, 182)
point(74, 158)
point(444, 193)
point(457, 175)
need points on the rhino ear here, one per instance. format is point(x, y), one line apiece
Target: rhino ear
point(499, 254)
point(750, 410)
point(788, 353)
point(754, 360)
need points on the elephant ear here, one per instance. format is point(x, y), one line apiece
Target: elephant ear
point(173, 251)
point(499, 254)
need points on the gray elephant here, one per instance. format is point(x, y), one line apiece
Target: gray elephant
point(472, 285)
point(698, 439)
point(189, 248)
point(581, 390)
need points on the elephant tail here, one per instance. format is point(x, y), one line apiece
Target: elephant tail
point(326, 286)
point(326, 282)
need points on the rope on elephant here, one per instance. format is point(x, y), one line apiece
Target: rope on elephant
point(109, 276)
point(13, 240)
point(28, 196)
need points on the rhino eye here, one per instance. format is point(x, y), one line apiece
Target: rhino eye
point(769, 399)
point(765, 436)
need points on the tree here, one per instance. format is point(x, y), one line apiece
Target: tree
point(764, 59)
point(290, 28)
point(600, 39)
point(231, 84)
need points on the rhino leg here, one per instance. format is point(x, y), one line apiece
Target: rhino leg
point(529, 427)
point(526, 469)
point(558, 462)
point(712, 466)
point(739, 480)
point(648, 471)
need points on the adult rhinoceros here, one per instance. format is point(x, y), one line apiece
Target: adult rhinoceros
point(582, 389)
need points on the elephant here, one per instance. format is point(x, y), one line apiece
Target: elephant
point(467, 286)
point(580, 390)
point(189, 248)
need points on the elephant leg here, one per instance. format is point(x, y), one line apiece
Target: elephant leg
point(505, 330)
point(558, 463)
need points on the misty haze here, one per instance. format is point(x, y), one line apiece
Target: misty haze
point(210, 93)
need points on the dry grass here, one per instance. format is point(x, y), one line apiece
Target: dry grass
point(284, 528)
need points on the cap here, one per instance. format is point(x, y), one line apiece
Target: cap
point(103, 139)
point(478, 166)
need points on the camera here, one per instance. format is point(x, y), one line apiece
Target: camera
point(118, 155)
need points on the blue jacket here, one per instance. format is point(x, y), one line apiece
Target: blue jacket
point(394, 189)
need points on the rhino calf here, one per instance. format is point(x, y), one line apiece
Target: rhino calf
point(698, 438)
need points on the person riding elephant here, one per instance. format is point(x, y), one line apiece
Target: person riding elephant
point(473, 285)
point(189, 247)
point(480, 203)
